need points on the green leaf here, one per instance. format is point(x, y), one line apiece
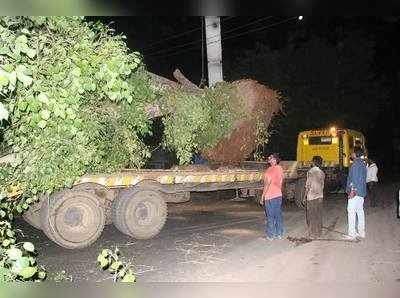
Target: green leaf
point(22, 105)
point(104, 252)
point(25, 31)
point(42, 124)
point(21, 39)
point(42, 97)
point(12, 77)
point(71, 114)
point(129, 277)
point(103, 261)
point(23, 75)
point(14, 253)
point(4, 50)
point(20, 264)
point(6, 242)
point(35, 119)
point(30, 53)
point(116, 265)
point(8, 67)
point(33, 104)
point(28, 246)
point(10, 233)
point(28, 272)
point(45, 114)
point(4, 78)
point(42, 274)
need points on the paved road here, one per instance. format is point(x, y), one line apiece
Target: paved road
point(213, 238)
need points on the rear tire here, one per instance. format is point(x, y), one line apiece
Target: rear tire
point(104, 194)
point(116, 213)
point(300, 192)
point(72, 219)
point(140, 212)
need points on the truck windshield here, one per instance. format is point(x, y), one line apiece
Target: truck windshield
point(320, 140)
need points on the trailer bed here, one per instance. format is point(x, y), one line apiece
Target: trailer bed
point(129, 178)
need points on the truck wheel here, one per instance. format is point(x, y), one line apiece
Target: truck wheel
point(72, 219)
point(32, 215)
point(300, 191)
point(105, 195)
point(140, 212)
point(116, 216)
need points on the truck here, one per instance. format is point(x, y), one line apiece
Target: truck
point(136, 201)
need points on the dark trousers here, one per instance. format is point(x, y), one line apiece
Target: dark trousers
point(372, 196)
point(314, 218)
point(273, 211)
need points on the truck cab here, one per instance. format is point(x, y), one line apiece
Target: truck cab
point(335, 146)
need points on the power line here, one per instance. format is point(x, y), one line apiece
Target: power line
point(198, 41)
point(228, 37)
point(178, 35)
point(257, 29)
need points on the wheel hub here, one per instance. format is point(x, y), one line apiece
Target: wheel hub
point(73, 217)
point(143, 213)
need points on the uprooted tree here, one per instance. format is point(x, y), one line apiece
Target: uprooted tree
point(75, 100)
point(79, 102)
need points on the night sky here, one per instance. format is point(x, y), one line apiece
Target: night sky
point(168, 43)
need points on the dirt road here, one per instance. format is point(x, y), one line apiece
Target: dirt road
point(213, 239)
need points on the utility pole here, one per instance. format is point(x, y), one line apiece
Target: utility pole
point(214, 50)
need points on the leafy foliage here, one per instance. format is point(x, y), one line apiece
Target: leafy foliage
point(109, 260)
point(199, 120)
point(17, 260)
point(263, 136)
point(76, 101)
point(72, 102)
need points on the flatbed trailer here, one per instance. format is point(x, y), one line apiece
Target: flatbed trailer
point(135, 201)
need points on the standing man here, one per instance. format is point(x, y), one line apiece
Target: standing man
point(272, 198)
point(314, 195)
point(356, 189)
point(372, 180)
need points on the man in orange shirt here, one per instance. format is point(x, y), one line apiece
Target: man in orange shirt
point(272, 198)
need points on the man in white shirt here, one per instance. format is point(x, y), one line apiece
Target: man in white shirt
point(372, 180)
point(314, 195)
